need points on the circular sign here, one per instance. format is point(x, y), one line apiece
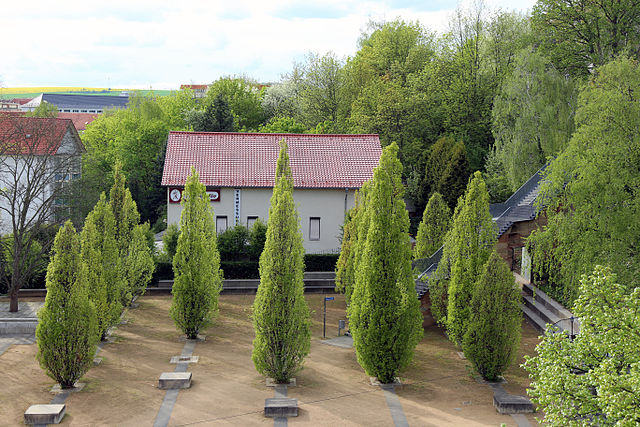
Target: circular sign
point(175, 195)
point(214, 195)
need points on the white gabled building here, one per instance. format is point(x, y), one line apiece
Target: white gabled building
point(238, 170)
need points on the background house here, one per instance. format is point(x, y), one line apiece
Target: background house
point(238, 170)
point(38, 156)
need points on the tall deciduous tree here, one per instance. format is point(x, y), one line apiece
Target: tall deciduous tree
point(66, 332)
point(101, 265)
point(494, 329)
point(467, 247)
point(594, 379)
point(592, 189)
point(215, 117)
point(434, 226)
point(384, 314)
point(533, 116)
point(281, 317)
point(196, 265)
point(578, 36)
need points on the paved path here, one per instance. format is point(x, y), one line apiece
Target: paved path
point(397, 413)
point(25, 310)
point(343, 341)
point(7, 341)
point(281, 391)
point(171, 396)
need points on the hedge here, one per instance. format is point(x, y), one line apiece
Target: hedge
point(249, 269)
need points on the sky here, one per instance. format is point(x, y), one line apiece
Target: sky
point(160, 44)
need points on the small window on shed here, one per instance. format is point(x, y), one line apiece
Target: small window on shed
point(314, 228)
point(251, 220)
point(221, 224)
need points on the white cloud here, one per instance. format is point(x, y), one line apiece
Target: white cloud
point(162, 43)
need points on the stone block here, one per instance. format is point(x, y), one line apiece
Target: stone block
point(512, 404)
point(376, 382)
point(184, 359)
point(280, 407)
point(44, 414)
point(172, 380)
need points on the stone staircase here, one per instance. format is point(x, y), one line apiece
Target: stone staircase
point(540, 310)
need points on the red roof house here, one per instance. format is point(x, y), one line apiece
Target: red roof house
point(238, 170)
point(37, 135)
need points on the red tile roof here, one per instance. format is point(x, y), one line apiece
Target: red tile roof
point(80, 120)
point(249, 159)
point(194, 87)
point(20, 101)
point(32, 135)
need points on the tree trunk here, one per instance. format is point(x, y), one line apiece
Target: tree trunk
point(13, 303)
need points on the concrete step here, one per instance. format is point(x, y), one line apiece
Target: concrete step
point(18, 325)
point(540, 309)
point(315, 275)
point(533, 319)
point(546, 300)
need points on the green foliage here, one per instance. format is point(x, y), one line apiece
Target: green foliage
point(232, 243)
point(494, 328)
point(532, 116)
point(196, 265)
point(170, 241)
point(216, 116)
point(101, 265)
point(433, 228)
point(320, 262)
point(67, 329)
point(44, 109)
point(281, 317)
point(467, 247)
point(591, 189)
point(384, 313)
point(594, 379)
point(257, 239)
point(244, 101)
point(498, 184)
point(283, 125)
point(356, 225)
point(134, 253)
point(580, 36)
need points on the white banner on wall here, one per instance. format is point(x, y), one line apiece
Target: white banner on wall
point(236, 206)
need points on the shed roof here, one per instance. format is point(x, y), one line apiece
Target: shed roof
point(73, 101)
point(249, 159)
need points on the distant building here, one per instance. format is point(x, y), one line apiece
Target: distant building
point(199, 91)
point(80, 120)
point(9, 106)
point(38, 156)
point(238, 170)
point(75, 103)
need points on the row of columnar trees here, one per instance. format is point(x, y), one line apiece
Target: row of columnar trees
point(91, 277)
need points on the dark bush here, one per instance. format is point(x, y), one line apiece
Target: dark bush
point(257, 237)
point(164, 271)
point(232, 243)
point(320, 262)
point(240, 269)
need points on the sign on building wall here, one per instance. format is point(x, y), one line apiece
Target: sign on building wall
point(175, 195)
point(236, 206)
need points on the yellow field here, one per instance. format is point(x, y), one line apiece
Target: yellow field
point(14, 90)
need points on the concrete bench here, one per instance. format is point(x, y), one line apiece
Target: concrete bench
point(44, 414)
point(173, 380)
point(512, 404)
point(280, 407)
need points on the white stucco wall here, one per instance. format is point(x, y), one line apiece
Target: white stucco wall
point(327, 204)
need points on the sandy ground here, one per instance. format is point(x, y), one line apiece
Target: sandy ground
point(226, 390)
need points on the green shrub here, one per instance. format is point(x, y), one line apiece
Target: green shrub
point(232, 243)
point(170, 241)
point(494, 328)
point(257, 237)
point(240, 269)
point(67, 329)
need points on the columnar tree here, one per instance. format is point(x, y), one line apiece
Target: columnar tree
point(66, 330)
point(434, 226)
point(134, 253)
point(466, 249)
point(101, 265)
point(196, 265)
point(494, 328)
point(384, 314)
point(281, 316)
point(594, 379)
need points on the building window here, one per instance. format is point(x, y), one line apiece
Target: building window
point(314, 228)
point(251, 220)
point(221, 224)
